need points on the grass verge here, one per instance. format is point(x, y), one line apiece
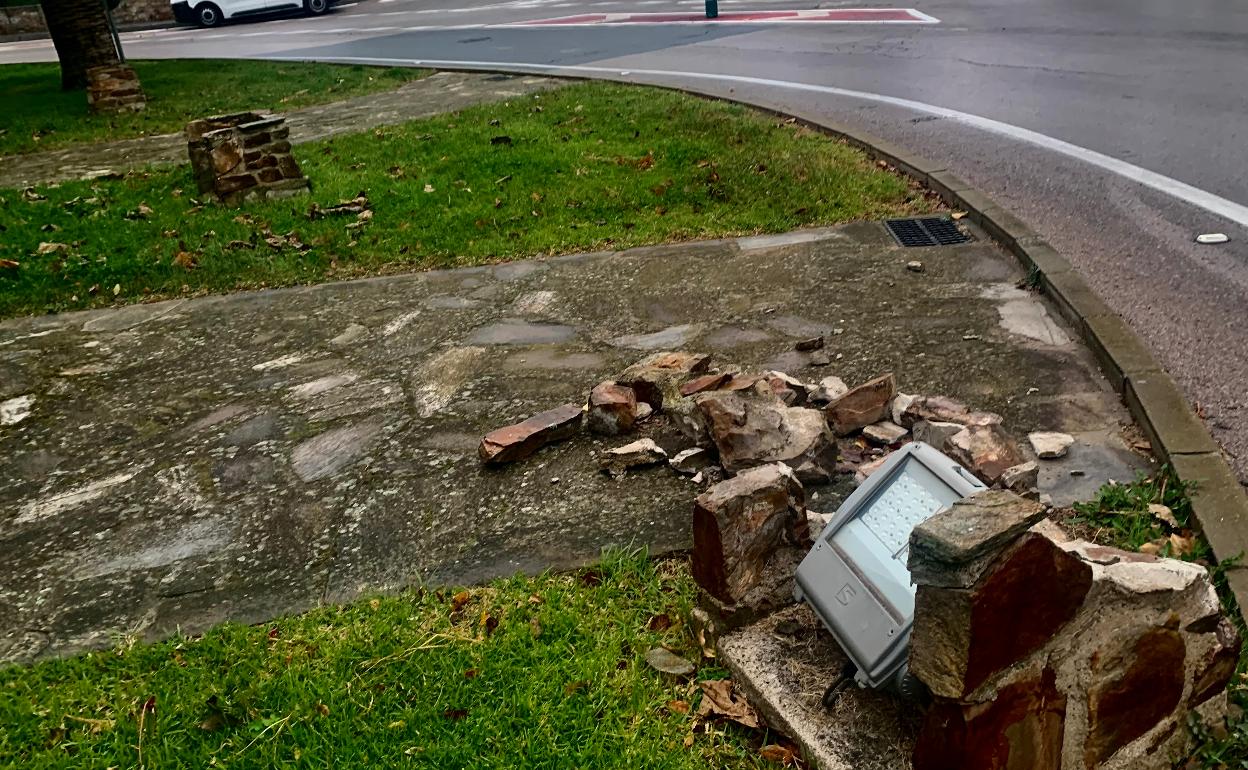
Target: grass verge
point(178, 91)
point(545, 672)
point(1127, 516)
point(586, 167)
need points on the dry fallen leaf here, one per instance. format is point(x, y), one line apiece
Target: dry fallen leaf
point(1164, 514)
point(660, 622)
point(718, 700)
point(1151, 549)
point(781, 755)
point(678, 706)
point(48, 247)
point(958, 214)
point(9, 263)
point(1181, 546)
point(459, 600)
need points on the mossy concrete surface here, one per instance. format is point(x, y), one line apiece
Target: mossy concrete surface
point(172, 465)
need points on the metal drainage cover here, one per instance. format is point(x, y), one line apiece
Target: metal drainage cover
point(926, 231)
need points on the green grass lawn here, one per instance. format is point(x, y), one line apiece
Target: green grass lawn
point(527, 673)
point(586, 167)
point(178, 91)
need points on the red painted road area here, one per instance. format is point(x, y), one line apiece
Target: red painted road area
point(832, 15)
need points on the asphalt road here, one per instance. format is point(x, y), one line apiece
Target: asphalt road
point(1116, 131)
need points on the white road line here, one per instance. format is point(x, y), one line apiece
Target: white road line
point(1214, 204)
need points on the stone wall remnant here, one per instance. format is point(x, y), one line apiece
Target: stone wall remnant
point(114, 88)
point(1054, 654)
point(243, 156)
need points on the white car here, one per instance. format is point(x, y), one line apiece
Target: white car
point(210, 13)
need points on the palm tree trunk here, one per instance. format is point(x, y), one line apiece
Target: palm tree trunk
point(80, 32)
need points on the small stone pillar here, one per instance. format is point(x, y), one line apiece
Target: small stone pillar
point(114, 88)
point(1054, 654)
point(243, 156)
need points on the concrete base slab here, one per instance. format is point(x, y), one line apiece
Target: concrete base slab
point(785, 662)
point(237, 457)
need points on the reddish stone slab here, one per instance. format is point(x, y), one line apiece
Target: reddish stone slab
point(1144, 684)
point(704, 383)
point(1020, 729)
point(1216, 670)
point(612, 409)
point(518, 441)
point(866, 404)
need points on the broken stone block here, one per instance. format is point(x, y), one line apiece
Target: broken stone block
point(658, 377)
point(966, 635)
point(936, 434)
point(901, 402)
point(612, 409)
point(808, 345)
point(690, 461)
point(790, 390)
point(740, 523)
point(1021, 729)
point(687, 417)
point(704, 383)
point(828, 390)
point(1049, 445)
point(865, 404)
point(953, 548)
point(772, 591)
point(114, 88)
point(1021, 479)
point(749, 431)
point(885, 433)
point(941, 409)
point(985, 450)
point(864, 471)
point(242, 156)
point(518, 441)
point(640, 453)
point(643, 411)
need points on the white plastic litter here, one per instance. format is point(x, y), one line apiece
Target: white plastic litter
point(1212, 238)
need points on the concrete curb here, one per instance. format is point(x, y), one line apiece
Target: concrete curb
point(1219, 502)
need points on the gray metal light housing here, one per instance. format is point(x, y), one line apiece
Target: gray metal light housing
point(855, 577)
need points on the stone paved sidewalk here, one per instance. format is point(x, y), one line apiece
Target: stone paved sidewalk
point(177, 464)
point(434, 95)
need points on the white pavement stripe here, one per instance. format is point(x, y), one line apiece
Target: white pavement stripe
point(1215, 204)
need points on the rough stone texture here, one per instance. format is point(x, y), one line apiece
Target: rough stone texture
point(985, 450)
point(704, 383)
point(1021, 479)
point(1049, 445)
point(749, 431)
point(863, 405)
point(637, 454)
point(27, 19)
point(243, 156)
point(936, 434)
point(1062, 653)
point(739, 523)
point(885, 433)
point(691, 460)
point(829, 389)
point(772, 591)
point(932, 409)
point(1020, 729)
point(612, 409)
point(963, 636)
point(658, 378)
point(949, 548)
point(515, 442)
point(784, 661)
point(114, 88)
point(442, 92)
point(151, 487)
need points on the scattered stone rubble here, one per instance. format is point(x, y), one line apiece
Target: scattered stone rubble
point(1039, 652)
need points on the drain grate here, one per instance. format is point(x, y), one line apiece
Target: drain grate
point(926, 231)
